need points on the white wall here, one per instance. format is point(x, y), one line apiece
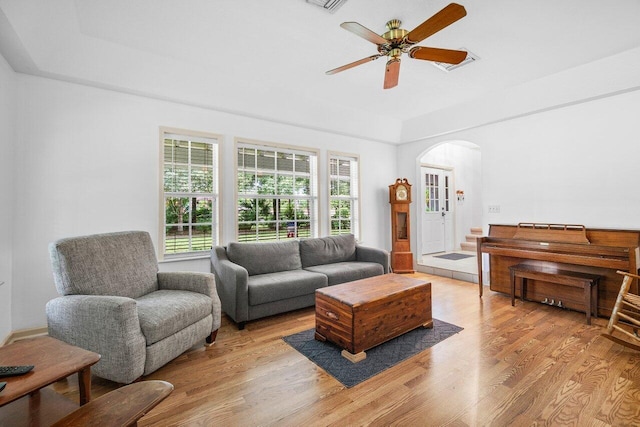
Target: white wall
point(577, 164)
point(7, 107)
point(88, 163)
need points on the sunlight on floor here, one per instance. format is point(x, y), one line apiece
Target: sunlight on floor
point(463, 269)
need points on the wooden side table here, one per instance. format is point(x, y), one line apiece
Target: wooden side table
point(53, 360)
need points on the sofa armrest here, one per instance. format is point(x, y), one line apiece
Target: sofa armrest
point(368, 254)
point(106, 325)
point(232, 282)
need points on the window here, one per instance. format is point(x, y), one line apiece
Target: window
point(343, 195)
point(432, 194)
point(437, 197)
point(277, 192)
point(189, 193)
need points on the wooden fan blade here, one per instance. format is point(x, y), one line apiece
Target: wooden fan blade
point(392, 73)
point(364, 32)
point(353, 64)
point(438, 55)
point(437, 22)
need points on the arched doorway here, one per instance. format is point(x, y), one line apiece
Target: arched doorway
point(449, 198)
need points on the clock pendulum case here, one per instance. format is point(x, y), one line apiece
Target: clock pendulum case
point(400, 199)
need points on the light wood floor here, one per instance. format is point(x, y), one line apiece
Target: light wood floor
point(524, 365)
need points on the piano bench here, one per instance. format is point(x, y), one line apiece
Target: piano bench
point(588, 282)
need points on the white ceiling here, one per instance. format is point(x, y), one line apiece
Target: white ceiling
point(267, 58)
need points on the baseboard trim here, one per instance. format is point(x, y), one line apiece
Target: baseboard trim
point(24, 334)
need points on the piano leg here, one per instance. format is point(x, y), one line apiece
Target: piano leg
point(513, 287)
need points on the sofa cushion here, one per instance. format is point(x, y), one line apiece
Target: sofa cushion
point(270, 287)
point(327, 250)
point(342, 272)
point(163, 313)
point(263, 258)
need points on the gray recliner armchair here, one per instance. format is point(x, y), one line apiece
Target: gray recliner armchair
point(115, 302)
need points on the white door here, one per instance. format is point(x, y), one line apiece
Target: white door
point(437, 210)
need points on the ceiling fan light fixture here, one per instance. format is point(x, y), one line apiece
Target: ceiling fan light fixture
point(394, 33)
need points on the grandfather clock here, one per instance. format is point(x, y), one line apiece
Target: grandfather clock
point(400, 199)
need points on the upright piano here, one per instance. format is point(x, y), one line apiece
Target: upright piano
point(566, 247)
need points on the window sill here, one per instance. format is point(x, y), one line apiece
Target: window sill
point(184, 258)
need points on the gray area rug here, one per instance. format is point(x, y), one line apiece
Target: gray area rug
point(327, 355)
point(453, 257)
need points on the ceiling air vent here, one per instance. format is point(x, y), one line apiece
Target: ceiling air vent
point(471, 57)
point(330, 5)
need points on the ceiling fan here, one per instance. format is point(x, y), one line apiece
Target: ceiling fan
point(397, 41)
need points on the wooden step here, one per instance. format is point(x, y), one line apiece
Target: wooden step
point(468, 246)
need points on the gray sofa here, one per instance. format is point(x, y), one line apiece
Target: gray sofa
point(256, 280)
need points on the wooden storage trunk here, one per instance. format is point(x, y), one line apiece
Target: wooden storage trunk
point(362, 314)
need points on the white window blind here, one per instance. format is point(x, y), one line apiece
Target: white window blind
point(277, 192)
point(190, 200)
point(344, 202)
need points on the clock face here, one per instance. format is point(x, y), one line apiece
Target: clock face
point(401, 192)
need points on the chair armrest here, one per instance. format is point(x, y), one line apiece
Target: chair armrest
point(232, 282)
point(106, 325)
point(368, 254)
point(202, 283)
point(123, 406)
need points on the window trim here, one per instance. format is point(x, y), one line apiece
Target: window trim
point(217, 224)
point(357, 231)
point(253, 143)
